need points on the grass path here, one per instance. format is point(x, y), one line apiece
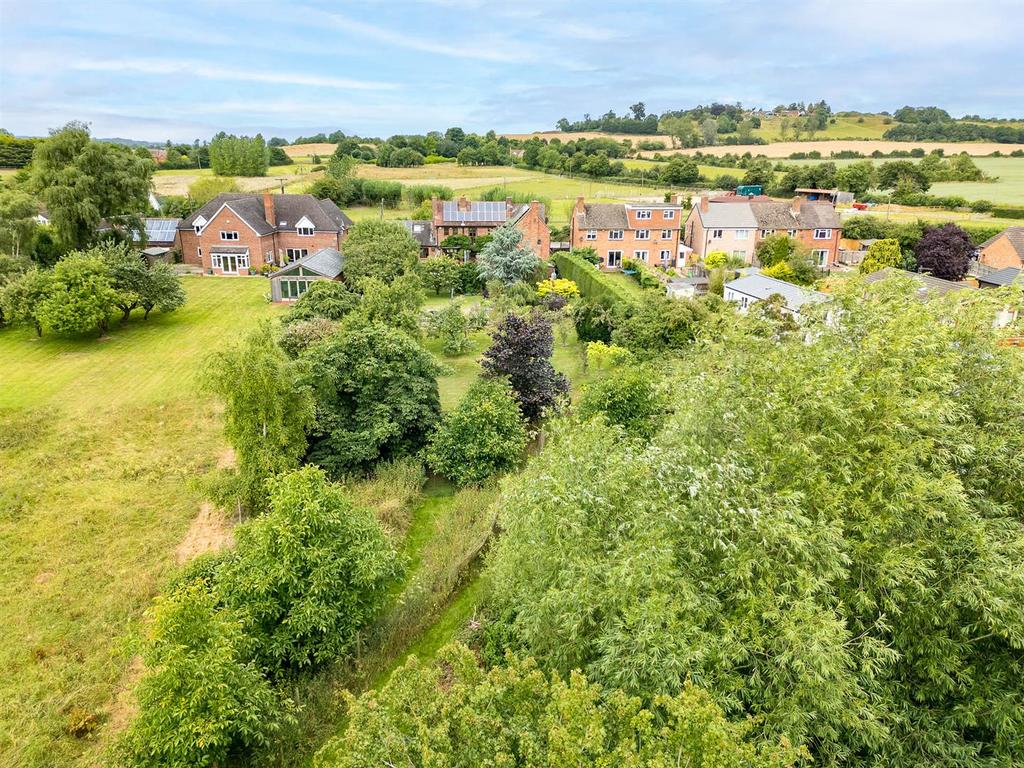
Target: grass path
point(100, 441)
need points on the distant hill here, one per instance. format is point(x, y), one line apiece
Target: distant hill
point(133, 143)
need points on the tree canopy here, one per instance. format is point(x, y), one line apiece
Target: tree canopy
point(381, 249)
point(505, 259)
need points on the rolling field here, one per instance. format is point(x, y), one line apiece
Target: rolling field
point(177, 182)
point(102, 442)
point(783, 149)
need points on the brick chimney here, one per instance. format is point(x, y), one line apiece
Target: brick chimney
point(705, 206)
point(268, 209)
point(463, 203)
point(580, 207)
point(795, 206)
point(508, 207)
point(437, 206)
point(676, 199)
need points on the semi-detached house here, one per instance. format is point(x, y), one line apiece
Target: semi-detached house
point(736, 225)
point(235, 233)
point(645, 232)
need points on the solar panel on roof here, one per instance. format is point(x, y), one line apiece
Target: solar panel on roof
point(161, 230)
point(478, 211)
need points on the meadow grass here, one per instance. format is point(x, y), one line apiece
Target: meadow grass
point(101, 441)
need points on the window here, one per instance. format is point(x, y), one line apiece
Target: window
point(643, 214)
point(228, 235)
point(666, 255)
point(614, 258)
point(739, 254)
point(615, 234)
point(199, 252)
point(292, 289)
point(669, 213)
point(744, 301)
point(767, 232)
point(716, 234)
point(294, 254)
point(791, 232)
point(821, 255)
point(198, 224)
point(304, 231)
point(243, 262)
point(591, 234)
point(215, 261)
point(640, 256)
point(742, 234)
point(643, 234)
point(823, 234)
point(666, 234)
point(199, 229)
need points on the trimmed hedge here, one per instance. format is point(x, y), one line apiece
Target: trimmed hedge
point(1007, 212)
point(593, 283)
point(16, 153)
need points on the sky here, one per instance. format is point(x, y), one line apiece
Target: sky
point(185, 70)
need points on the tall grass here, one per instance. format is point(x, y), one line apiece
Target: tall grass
point(416, 193)
point(392, 493)
point(495, 194)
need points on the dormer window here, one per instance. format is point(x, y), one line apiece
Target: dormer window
point(198, 224)
point(304, 227)
point(224, 235)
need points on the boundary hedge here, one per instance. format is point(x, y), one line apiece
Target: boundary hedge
point(592, 283)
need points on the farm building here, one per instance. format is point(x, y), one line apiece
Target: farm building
point(290, 282)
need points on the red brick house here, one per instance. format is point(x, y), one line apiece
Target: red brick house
point(645, 232)
point(480, 218)
point(236, 233)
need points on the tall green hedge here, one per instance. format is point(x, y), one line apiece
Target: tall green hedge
point(1008, 211)
point(16, 153)
point(592, 283)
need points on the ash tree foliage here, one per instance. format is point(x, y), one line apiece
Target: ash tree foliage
point(453, 713)
point(376, 397)
point(82, 182)
point(505, 258)
point(267, 409)
point(484, 436)
point(521, 350)
point(944, 252)
point(381, 249)
point(202, 702)
point(232, 155)
point(827, 535)
point(307, 575)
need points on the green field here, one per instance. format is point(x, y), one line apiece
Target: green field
point(101, 443)
point(105, 444)
point(872, 127)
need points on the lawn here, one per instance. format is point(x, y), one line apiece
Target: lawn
point(177, 182)
point(101, 441)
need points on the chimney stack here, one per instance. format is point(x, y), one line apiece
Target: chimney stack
point(579, 207)
point(705, 206)
point(795, 207)
point(508, 207)
point(268, 209)
point(437, 208)
point(463, 203)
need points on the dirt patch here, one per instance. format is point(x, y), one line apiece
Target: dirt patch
point(43, 578)
point(122, 709)
point(209, 532)
point(227, 459)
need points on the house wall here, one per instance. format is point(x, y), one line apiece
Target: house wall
point(1000, 254)
point(630, 244)
point(536, 234)
point(806, 236)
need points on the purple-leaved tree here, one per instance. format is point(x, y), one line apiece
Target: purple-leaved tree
point(521, 350)
point(944, 252)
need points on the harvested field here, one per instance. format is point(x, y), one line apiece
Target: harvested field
point(304, 150)
point(783, 149)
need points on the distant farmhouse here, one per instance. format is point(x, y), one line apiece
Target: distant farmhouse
point(237, 233)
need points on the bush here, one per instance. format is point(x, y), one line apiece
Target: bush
point(297, 337)
point(325, 299)
point(981, 206)
point(483, 436)
point(628, 397)
point(559, 287)
point(308, 574)
point(453, 329)
point(201, 701)
point(419, 193)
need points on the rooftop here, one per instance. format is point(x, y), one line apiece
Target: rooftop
point(761, 287)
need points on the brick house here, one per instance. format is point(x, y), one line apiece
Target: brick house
point(474, 218)
point(235, 233)
point(650, 233)
point(736, 225)
point(1004, 250)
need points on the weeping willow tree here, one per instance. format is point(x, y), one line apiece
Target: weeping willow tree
point(828, 534)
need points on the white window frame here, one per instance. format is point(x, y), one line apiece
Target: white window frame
point(791, 233)
point(304, 231)
point(742, 234)
point(641, 256)
point(608, 258)
point(591, 234)
point(199, 224)
point(294, 254)
point(669, 213)
point(822, 254)
point(739, 254)
point(823, 234)
point(767, 232)
point(243, 262)
point(644, 213)
point(666, 234)
point(215, 261)
point(228, 235)
point(716, 234)
point(643, 234)
point(615, 234)
point(666, 255)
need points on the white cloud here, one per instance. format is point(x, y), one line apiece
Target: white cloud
point(215, 72)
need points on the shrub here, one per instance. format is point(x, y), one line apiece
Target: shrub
point(297, 337)
point(560, 287)
point(483, 436)
point(326, 299)
point(453, 329)
point(307, 575)
point(628, 397)
point(716, 259)
point(201, 701)
point(420, 193)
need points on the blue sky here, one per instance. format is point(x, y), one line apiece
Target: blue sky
point(187, 69)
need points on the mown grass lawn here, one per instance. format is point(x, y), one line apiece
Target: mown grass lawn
point(101, 442)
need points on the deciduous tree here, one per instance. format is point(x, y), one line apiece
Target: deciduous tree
point(81, 295)
point(521, 350)
point(945, 252)
point(381, 249)
point(441, 274)
point(21, 299)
